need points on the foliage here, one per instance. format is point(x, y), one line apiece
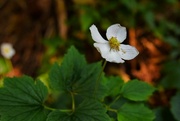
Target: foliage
point(175, 106)
point(23, 98)
point(73, 95)
point(4, 66)
point(159, 19)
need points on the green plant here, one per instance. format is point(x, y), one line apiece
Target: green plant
point(74, 94)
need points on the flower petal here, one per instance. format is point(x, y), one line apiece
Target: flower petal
point(128, 52)
point(96, 35)
point(118, 31)
point(106, 53)
point(121, 35)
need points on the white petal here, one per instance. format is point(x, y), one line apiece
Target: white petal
point(96, 35)
point(128, 52)
point(116, 30)
point(106, 53)
point(121, 35)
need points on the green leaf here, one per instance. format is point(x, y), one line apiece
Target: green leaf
point(113, 85)
point(171, 77)
point(21, 99)
point(163, 114)
point(175, 106)
point(86, 20)
point(173, 41)
point(75, 75)
point(135, 112)
point(88, 16)
point(88, 110)
point(130, 4)
point(149, 18)
point(4, 66)
point(70, 70)
point(136, 90)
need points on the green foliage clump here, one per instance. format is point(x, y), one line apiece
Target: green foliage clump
point(72, 94)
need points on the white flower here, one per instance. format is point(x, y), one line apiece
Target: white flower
point(7, 50)
point(112, 50)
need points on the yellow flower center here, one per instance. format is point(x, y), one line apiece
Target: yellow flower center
point(6, 50)
point(114, 44)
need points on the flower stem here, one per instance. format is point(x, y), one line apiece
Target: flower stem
point(98, 79)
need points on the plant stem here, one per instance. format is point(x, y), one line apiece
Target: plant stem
point(49, 108)
point(115, 100)
point(112, 110)
point(9, 63)
point(98, 79)
point(73, 102)
point(53, 109)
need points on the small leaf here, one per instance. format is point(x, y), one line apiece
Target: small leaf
point(88, 110)
point(175, 106)
point(21, 99)
point(4, 67)
point(136, 90)
point(135, 112)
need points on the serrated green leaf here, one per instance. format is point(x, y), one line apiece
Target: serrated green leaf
point(75, 75)
point(69, 71)
point(135, 112)
point(88, 110)
point(113, 85)
point(175, 106)
point(136, 90)
point(21, 99)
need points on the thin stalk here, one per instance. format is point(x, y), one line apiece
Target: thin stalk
point(112, 110)
point(9, 63)
point(73, 102)
point(115, 100)
point(53, 109)
point(98, 79)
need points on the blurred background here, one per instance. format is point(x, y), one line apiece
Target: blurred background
point(42, 30)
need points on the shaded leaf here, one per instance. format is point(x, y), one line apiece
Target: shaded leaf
point(75, 75)
point(163, 114)
point(175, 106)
point(69, 71)
point(88, 110)
point(171, 80)
point(22, 99)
